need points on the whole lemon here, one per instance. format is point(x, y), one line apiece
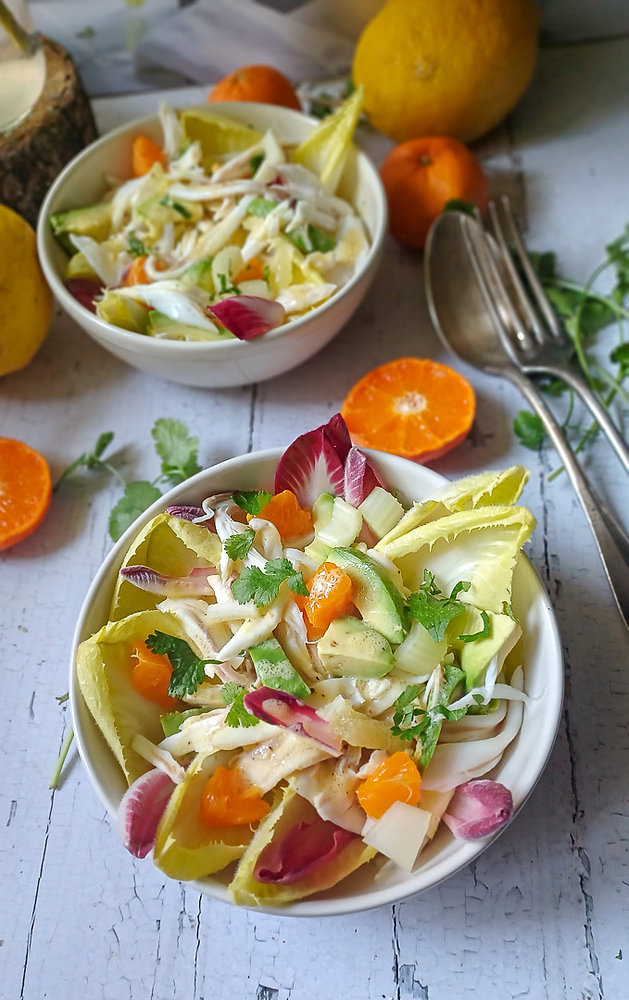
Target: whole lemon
point(445, 67)
point(25, 299)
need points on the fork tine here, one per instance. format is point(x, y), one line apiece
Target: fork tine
point(491, 284)
point(531, 320)
point(535, 284)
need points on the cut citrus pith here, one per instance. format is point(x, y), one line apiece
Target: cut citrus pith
point(25, 491)
point(412, 407)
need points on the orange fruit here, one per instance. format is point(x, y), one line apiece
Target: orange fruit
point(262, 84)
point(229, 800)
point(136, 274)
point(412, 407)
point(421, 176)
point(144, 154)
point(150, 675)
point(25, 490)
point(395, 780)
point(289, 518)
point(445, 67)
point(330, 596)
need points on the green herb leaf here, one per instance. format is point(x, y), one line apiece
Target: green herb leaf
point(529, 429)
point(620, 356)
point(238, 545)
point(88, 460)
point(168, 202)
point(252, 501)
point(412, 721)
point(508, 610)
point(227, 287)
point(310, 238)
point(138, 495)
point(459, 205)
point(482, 634)
point(233, 694)
point(255, 163)
point(262, 586)
point(176, 448)
point(136, 246)
point(433, 609)
point(261, 206)
point(188, 668)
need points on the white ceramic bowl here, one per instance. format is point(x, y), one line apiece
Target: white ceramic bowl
point(221, 363)
point(519, 769)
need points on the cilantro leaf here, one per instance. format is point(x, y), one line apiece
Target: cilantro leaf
point(89, 459)
point(432, 609)
point(137, 496)
point(482, 634)
point(136, 246)
point(252, 501)
point(237, 546)
point(227, 287)
point(412, 721)
point(188, 668)
point(168, 202)
point(176, 448)
point(233, 694)
point(529, 429)
point(262, 586)
point(620, 356)
point(459, 205)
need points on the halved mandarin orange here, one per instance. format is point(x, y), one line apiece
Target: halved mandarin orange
point(412, 407)
point(25, 490)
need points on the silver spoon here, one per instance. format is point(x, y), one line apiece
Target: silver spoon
point(461, 317)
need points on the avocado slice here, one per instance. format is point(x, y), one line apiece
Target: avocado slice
point(377, 598)
point(352, 648)
point(200, 274)
point(275, 670)
point(93, 220)
point(159, 324)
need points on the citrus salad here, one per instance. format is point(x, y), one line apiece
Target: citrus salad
point(223, 232)
point(297, 682)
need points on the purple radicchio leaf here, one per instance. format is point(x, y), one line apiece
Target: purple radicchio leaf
point(85, 291)
point(141, 809)
point(248, 316)
point(313, 464)
point(360, 477)
point(478, 808)
point(282, 709)
point(194, 585)
point(303, 849)
point(185, 513)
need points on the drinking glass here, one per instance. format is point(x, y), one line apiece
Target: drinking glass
point(22, 63)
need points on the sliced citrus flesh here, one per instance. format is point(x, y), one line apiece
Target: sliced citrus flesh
point(229, 800)
point(151, 674)
point(330, 596)
point(284, 511)
point(25, 490)
point(412, 407)
point(397, 779)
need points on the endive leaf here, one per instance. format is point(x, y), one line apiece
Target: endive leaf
point(216, 134)
point(479, 546)
point(103, 668)
point(185, 846)
point(325, 150)
point(171, 546)
point(290, 810)
point(487, 489)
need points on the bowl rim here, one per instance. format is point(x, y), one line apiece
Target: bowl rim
point(127, 339)
point(319, 905)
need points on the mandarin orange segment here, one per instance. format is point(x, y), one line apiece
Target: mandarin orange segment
point(229, 800)
point(395, 780)
point(330, 596)
point(412, 407)
point(144, 154)
point(253, 270)
point(289, 518)
point(150, 675)
point(136, 274)
point(25, 490)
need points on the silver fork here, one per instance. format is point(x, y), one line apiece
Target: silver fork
point(526, 322)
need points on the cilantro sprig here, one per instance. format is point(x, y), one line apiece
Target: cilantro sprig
point(175, 447)
point(262, 585)
point(483, 633)
point(188, 668)
point(233, 695)
point(414, 721)
point(433, 609)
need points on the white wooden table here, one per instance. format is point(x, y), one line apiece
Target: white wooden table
point(544, 913)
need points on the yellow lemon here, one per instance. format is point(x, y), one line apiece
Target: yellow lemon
point(25, 299)
point(445, 67)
